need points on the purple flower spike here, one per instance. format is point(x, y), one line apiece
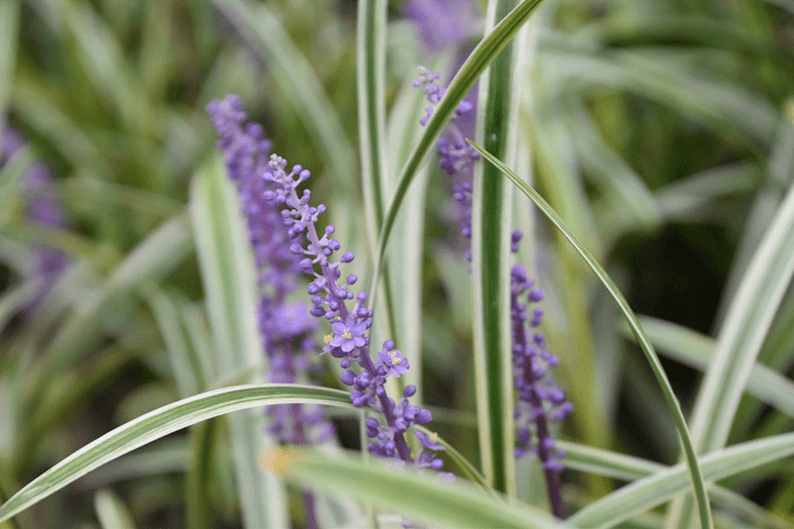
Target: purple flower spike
point(42, 206)
point(348, 316)
point(286, 327)
point(540, 399)
point(456, 156)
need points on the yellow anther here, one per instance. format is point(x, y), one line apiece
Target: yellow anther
point(395, 359)
point(328, 338)
point(347, 334)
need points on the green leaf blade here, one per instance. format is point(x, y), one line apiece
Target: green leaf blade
point(161, 422)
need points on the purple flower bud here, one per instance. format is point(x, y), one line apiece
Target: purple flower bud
point(423, 417)
point(348, 378)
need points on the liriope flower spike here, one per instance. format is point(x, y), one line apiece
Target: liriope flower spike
point(285, 326)
point(540, 399)
point(349, 319)
point(42, 206)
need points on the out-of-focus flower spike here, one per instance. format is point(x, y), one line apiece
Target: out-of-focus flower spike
point(285, 326)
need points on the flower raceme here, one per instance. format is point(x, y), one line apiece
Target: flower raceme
point(350, 319)
point(285, 326)
point(540, 399)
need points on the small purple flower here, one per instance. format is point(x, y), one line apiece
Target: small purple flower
point(347, 337)
point(428, 441)
point(456, 156)
point(394, 362)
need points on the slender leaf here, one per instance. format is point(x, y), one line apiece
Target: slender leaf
point(12, 173)
point(662, 486)
point(16, 298)
point(693, 468)
point(559, 173)
point(161, 422)
point(188, 370)
point(111, 511)
point(726, 108)
point(151, 260)
point(408, 247)
point(227, 272)
point(104, 62)
point(463, 464)
point(9, 31)
point(166, 456)
point(415, 495)
point(371, 51)
point(697, 350)
point(491, 240)
point(690, 199)
point(741, 336)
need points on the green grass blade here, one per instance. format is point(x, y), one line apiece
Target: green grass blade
point(407, 248)
point(695, 473)
point(166, 456)
point(629, 468)
point(371, 69)
point(469, 470)
point(371, 51)
point(415, 495)
point(697, 350)
point(497, 112)
point(262, 29)
point(9, 31)
point(11, 174)
point(662, 486)
point(13, 299)
point(198, 511)
point(559, 174)
point(725, 108)
point(100, 54)
point(160, 423)
point(227, 273)
point(627, 196)
point(187, 366)
point(766, 200)
point(35, 108)
point(691, 199)
point(741, 336)
point(111, 511)
point(468, 73)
